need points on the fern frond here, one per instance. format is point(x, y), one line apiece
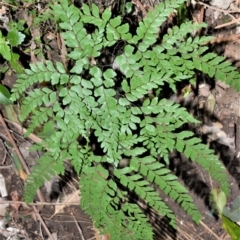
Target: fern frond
point(93, 16)
point(46, 168)
point(156, 173)
point(39, 118)
point(157, 131)
point(35, 99)
point(76, 36)
point(136, 221)
point(147, 31)
point(177, 35)
point(142, 188)
point(169, 112)
point(39, 72)
point(128, 141)
point(121, 114)
point(99, 195)
point(217, 66)
point(193, 149)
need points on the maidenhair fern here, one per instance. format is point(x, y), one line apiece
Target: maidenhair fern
point(88, 101)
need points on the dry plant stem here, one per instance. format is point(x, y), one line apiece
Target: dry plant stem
point(205, 226)
point(233, 37)
point(10, 5)
point(78, 227)
point(182, 233)
point(27, 171)
point(39, 194)
point(201, 14)
point(19, 155)
point(5, 153)
point(14, 144)
point(6, 167)
point(199, 19)
point(224, 11)
point(92, 238)
point(63, 49)
point(22, 130)
point(39, 203)
point(43, 223)
point(22, 232)
point(151, 3)
point(218, 9)
point(227, 24)
point(138, 4)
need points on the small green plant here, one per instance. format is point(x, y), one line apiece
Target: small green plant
point(88, 101)
point(13, 39)
point(230, 216)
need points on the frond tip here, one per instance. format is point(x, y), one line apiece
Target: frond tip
point(46, 168)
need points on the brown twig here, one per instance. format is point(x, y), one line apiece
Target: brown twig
point(224, 11)
point(10, 5)
point(5, 151)
point(78, 227)
point(63, 49)
point(14, 144)
point(39, 203)
point(232, 37)
point(218, 9)
point(210, 231)
point(6, 167)
point(229, 23)
point(22, 130)
point(138, 4)
point(43, 223)
point(39, 194)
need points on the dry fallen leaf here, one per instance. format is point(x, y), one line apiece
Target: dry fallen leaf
point(23, 175)
point(3, 193)
point(3, 190)
point(3, 207)
point(99, 236)
point(55, 236)
point(3, 10)
point(50, 36)
point(68, 199)
point(15, 197)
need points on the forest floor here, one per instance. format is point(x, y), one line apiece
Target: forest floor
point(58, 212)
